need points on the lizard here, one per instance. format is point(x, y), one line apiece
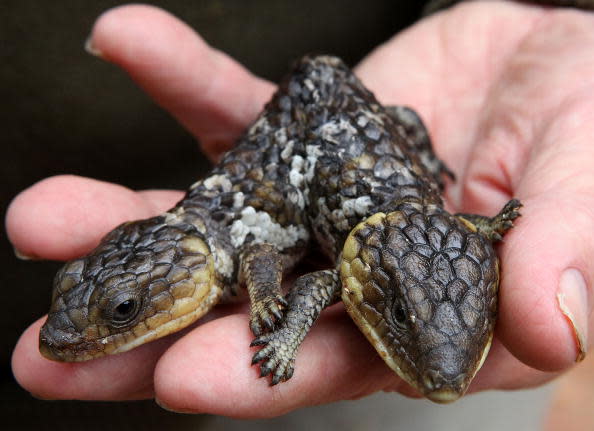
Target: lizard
point(324, 166)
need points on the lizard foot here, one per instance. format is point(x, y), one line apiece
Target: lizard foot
point(277, 357)
point(265, 313)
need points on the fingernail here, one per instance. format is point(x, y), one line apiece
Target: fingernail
point(170, 409)
point(572, 297)
point(90, 48)
point(41, 397)
point(22, 256)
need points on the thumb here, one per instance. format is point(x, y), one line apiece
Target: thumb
point(534, 142)
point(546, 291)
point(547, 260)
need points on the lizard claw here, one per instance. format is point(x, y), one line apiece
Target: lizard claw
point(276, 358)
point(266, 313)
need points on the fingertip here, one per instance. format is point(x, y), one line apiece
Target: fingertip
point(41, 377)
point(125, 376)
point(504, 371)
point(26, 361)
point(545, 244)
point(212, 95)
point(131, 22)
point(64, 216)
point(160, 200)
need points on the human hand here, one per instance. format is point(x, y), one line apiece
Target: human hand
point(508, 113)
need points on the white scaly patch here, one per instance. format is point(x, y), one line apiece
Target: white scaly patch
point(287, 152)
point(280, 136)
point(214, 181)
point(265, 230)
point(174, 216)
point(260, 127)
point(371, 116)
point(362, 120)
point(298, 179)
point(313, 153)
point(222, 261)
point(358, 206)
point(297, 170)
point(238, 200)
point(218, 181)
point(331, 130)
point(315, 94)
point(297, 198)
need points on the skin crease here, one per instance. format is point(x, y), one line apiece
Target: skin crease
point(507, 92)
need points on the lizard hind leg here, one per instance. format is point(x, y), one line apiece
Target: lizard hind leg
point(309, 296)
point(495, 227)
point(261, 271)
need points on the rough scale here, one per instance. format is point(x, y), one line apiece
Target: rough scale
point(324, 166)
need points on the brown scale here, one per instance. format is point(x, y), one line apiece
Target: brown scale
point(326, 164)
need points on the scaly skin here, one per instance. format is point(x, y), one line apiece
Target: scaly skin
point(326, 164)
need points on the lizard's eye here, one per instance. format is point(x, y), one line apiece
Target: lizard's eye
point(124, 309)
point(398, 314)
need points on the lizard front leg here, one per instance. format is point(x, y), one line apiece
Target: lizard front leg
point(261, 271)
point(309, 296)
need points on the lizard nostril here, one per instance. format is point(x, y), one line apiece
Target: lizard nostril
point(53, 338)
point(431, 379)
point(442, 388)
point(435, 380)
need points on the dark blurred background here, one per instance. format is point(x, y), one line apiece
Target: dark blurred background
point(64, 111)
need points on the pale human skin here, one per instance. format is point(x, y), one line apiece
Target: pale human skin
point(507, 92)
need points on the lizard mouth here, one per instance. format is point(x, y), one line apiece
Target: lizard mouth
point(443, 396)
point(59, 345)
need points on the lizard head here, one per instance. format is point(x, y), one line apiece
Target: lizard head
point(145, 280)
point(422, 286)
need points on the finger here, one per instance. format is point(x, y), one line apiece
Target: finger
point(126, 376)
point(213, 96)
point(503, 371)
point(209, 370)
point(537, 144)
point(547, 259)
point(65, 216)
point(546, 297)
point(119, 377)
point(572, 400)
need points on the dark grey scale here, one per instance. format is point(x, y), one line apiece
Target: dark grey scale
point(411, 125)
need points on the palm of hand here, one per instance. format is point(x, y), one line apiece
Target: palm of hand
point(508, 111)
